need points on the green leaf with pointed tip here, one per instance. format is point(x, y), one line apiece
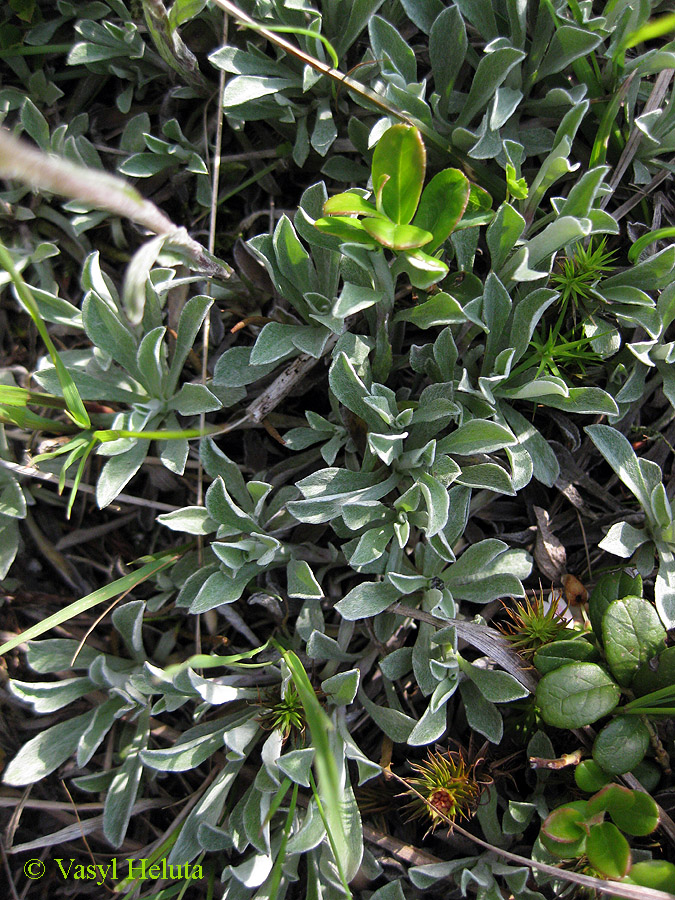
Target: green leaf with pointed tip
point(607, 850)
point(491, 72)
point(301, 581)
point(619, 453)
point(481, 714)
point(367, 599)
point(46, 751)
point(396, 237)
point(476, 436)
point(442, 205)
point(346, 228)
point(441, 309)
point(347, 204)
point(437, 503)
point(400, 157)
point(190, 519)
point(118, 472)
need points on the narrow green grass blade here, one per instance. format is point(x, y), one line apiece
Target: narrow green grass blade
point(30, 421)
point(279, 798)
point(659, 235)
point(307, 32)
point(654, 29)
point(78, 477)
point(329, 832)
point(18, 396)
point(607, 126)
point(275, 877)
point(120, 586)
point(203, 661)
point(320, 726)
point(114, 434)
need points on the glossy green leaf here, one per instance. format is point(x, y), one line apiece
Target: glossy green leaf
point(621, 745)
point(346, 228)
point(640, 819)
point(608, 850)
point(560, 653)
point(589, 776)
point(657, 874)
point(442, 205)
point(575, 695)
point(631, 634)
point(349, 203)
point(396, 237)
point(655, 674)
point(565, 824)
point(399, 161)
point(610, 587)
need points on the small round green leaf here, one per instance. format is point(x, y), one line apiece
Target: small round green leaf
point(621, 745)
point(560, 653)
point(613, 797)
point(608, 850)
point(648, 774)
point(632, 634)
point(575, 695)
point(640, 819)
point(590, 777)
point(610, 587)
point(562, 832)
point(653, 873)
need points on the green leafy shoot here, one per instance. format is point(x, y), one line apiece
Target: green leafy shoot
point(74, 404)
point(580, 273)
point(557, 356)
point(283, 713)
point(531, 625)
